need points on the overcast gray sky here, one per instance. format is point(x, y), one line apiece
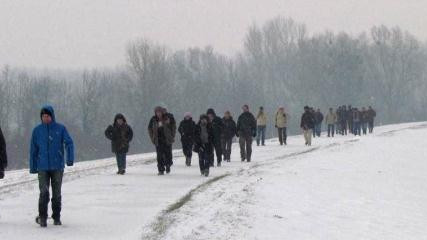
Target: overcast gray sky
point(94, 33)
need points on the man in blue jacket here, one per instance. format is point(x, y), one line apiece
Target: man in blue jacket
point(47, 160)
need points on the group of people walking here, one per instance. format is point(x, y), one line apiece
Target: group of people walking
point(52, 147)
point(344, 119)
point(211, 136)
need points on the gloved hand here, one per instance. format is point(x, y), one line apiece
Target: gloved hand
point(1, 174)
point(69, 164)
point(33, 171)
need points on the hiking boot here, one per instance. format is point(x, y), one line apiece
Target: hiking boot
point(57, 222)
point(161, 173)
point(188, 162)
point(168, 169)
point(41, 221)
point(207, 173)
point(218, 164)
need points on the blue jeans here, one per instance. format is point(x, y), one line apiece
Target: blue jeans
point(121, 161)
point(356, 128)
point(317, 129)
point(331, 130)
point(261, 135)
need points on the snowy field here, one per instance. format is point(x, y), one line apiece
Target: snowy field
point(371, 187)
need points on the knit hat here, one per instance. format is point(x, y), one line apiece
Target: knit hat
point(210, 111)
point(187, 114)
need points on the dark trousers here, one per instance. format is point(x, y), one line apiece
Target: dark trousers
point(283, 135)
point(356, 128)
point(205, 158)
point(218, 151)
point(371, 126)
point(344, 128)
point(317, 130)
point(245, 142)
point(226, 147)
point(331, 130)
point(350, 126)
point(121, 161)
point(364, 127)
point(47, 178)
point(260, 135)
point(187, 148)
point(164, 156)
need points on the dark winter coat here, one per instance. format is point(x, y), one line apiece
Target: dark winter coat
point(217, 128)
point(371, 114)
point(318, 117)
point(349, 115)
point(356, 116)
point(230, 128)
point(307, 120)
point(186, 129)
point(364, 116)
point(246, 125)
point(120, 135)
point(3, 155)
point(345, 115)
point(199, 146)
point(47, 146)
point(162, 131)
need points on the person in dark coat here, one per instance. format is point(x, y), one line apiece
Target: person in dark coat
point(307, 124)
point(217, 127)
point(371, 117)
point(120, 134)
point(186, 129)
point(47, 160)
point(364, 120)
point(246, 131)
point(344, 119)
point(227, 135)
point(318, 119)
point(338, 122)
point(3, 155)
point(162, 129)
point(350, 118)
point(204, 144)
point(356, 121)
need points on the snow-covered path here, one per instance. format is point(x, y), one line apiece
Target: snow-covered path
point(343, 188)
point(363, 188)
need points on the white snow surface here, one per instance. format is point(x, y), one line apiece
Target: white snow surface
point(369, 187)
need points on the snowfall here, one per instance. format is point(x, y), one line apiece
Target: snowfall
point(347, 187)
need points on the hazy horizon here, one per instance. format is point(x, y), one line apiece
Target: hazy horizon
point(84, 34)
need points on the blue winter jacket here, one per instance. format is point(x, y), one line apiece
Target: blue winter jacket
point(47, 146)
